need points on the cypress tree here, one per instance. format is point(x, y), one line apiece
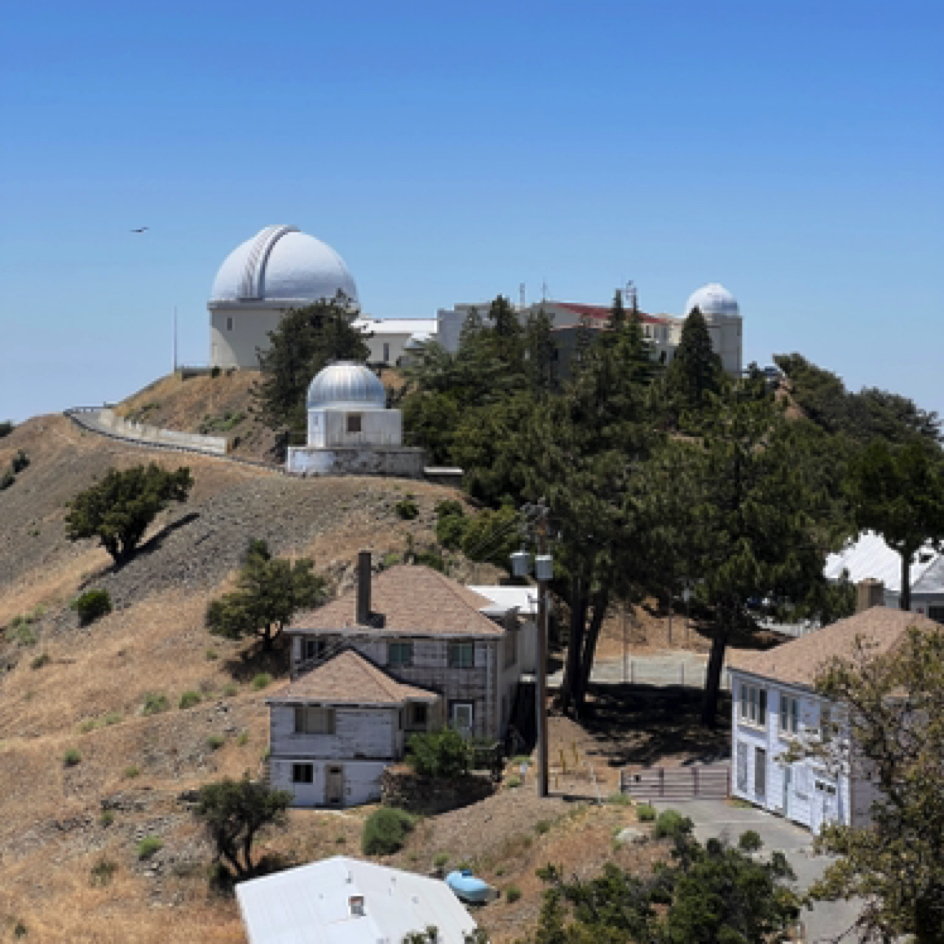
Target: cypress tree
point(696, 371)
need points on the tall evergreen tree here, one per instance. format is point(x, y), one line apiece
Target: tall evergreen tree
point(695, 373)
point(541, 353)
point(306, 340)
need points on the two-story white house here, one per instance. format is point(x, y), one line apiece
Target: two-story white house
point(775, 703)
point(407, 651)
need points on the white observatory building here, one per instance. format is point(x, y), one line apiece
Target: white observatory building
point(350, 429)
point(278, 269)
point(723, 317)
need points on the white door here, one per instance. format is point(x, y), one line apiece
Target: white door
point(461, 717)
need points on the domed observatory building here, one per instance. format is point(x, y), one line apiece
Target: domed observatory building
point(723, 317)
point(350, 429)
point(278, 269)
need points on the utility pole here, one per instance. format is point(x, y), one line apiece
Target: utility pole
point(543, 578)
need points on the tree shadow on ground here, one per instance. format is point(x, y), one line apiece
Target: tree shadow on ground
point(253, 660)
point(643, 724)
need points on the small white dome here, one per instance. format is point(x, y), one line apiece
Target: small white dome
point(281, 264)
point(712, 299)
point(346, 384)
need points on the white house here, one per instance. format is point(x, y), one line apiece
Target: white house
point(408, 651)
point(347, 901)
point(775, 704)
point(870, 558)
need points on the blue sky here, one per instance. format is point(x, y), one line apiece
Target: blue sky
point(790, 150)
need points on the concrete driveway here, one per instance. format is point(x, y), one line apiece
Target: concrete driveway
point(716, 818)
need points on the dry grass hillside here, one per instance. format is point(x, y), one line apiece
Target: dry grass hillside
point(95, 750)
point(83, 692)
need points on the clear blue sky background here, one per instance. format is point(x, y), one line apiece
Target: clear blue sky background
point(791, 150)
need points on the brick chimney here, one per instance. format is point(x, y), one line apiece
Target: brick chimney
point(869, 593)
point(363, 588)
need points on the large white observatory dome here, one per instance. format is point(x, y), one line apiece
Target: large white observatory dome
point(346, 385)
point(712, 299)
point(284, 266)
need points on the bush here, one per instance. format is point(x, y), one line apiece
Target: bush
point(750, 841)
point(261, 681)
point(212, 655)
point(101, 873)
point(513, 782)
point(672, 825)
point(6, 427)
point(149, 846)
point(131, 772)
point(512, 894)
point(154, 702)
point(71, 757)
point(92, 605)
point(243, 738)
point(450, 523)
point(443, 755)
point(620, 799)
point(189, 699)
point(645, 813)
point(440, 859)
point(385, 831)
point(19, 462)
point(107, 818)
point(40, 661)
point(7, 479)
point(230, 689)
point(407, 509)
point(215, 742)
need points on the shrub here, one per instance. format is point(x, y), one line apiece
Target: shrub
point(40, 661)
point(107, 818)
point(440, 859)
point(7, 479)
point(92, 605)
point(750, 841)
point(154, 702)
point(672, 825)
point(216, 371)
point(188, 700)
point(215, 742)
point(542, 826)
point(71, 757)
point(23, 632)
point(407, 509)
point(512, 894)
point(450, 523)
point(113, 717)
point(261, 681)
point(513, 782)
point(385, 831)
point(88, 725)
point(131, 772)
point(102, 872)
point(230, 689)
point(243, 738)
point(149, 846)
point(211, 655)
point(19, 462)
point(6, 427)
point(645, 813)
point(443, 755)
point(620, 799)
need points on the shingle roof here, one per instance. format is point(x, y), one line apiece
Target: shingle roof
point(417, 601)
point(350, 679)
point(799, 661)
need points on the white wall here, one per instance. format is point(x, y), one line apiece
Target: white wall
point(327, 428)
point(236, 346)
point(361, 780)
point(371, 733)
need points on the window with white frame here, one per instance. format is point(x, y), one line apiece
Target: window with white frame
point(753, 705)
point(314, 721)
point(399, 654)
point(461, 655)
point(789, 715)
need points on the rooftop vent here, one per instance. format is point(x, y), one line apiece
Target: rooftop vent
point(356, 903)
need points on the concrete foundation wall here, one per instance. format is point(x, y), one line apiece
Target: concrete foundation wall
point(123, 427)
point(396, 462)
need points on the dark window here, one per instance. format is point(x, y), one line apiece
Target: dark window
point(314, 721)
point(303, 773)
point(461, 655)
point(419, 716)
point(760, 771)
point(399, 653)
point(353, 422)
point(229, 324)
point(313, 648)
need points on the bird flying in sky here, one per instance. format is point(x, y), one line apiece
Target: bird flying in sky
point(141, 230)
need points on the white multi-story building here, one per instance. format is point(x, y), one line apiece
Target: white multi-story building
point(775, 705)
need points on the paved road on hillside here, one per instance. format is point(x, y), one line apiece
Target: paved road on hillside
point(716, 818)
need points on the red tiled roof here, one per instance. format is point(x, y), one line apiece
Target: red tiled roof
point(412, 600)
point(599, 312)
point(350, 679)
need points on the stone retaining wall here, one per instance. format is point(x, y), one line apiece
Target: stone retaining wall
point(218, 445)
point(402, 788)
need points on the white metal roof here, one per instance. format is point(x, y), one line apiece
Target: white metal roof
point(311, 905)
point(407, 326)
point(870, 557)
point(525, 599)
